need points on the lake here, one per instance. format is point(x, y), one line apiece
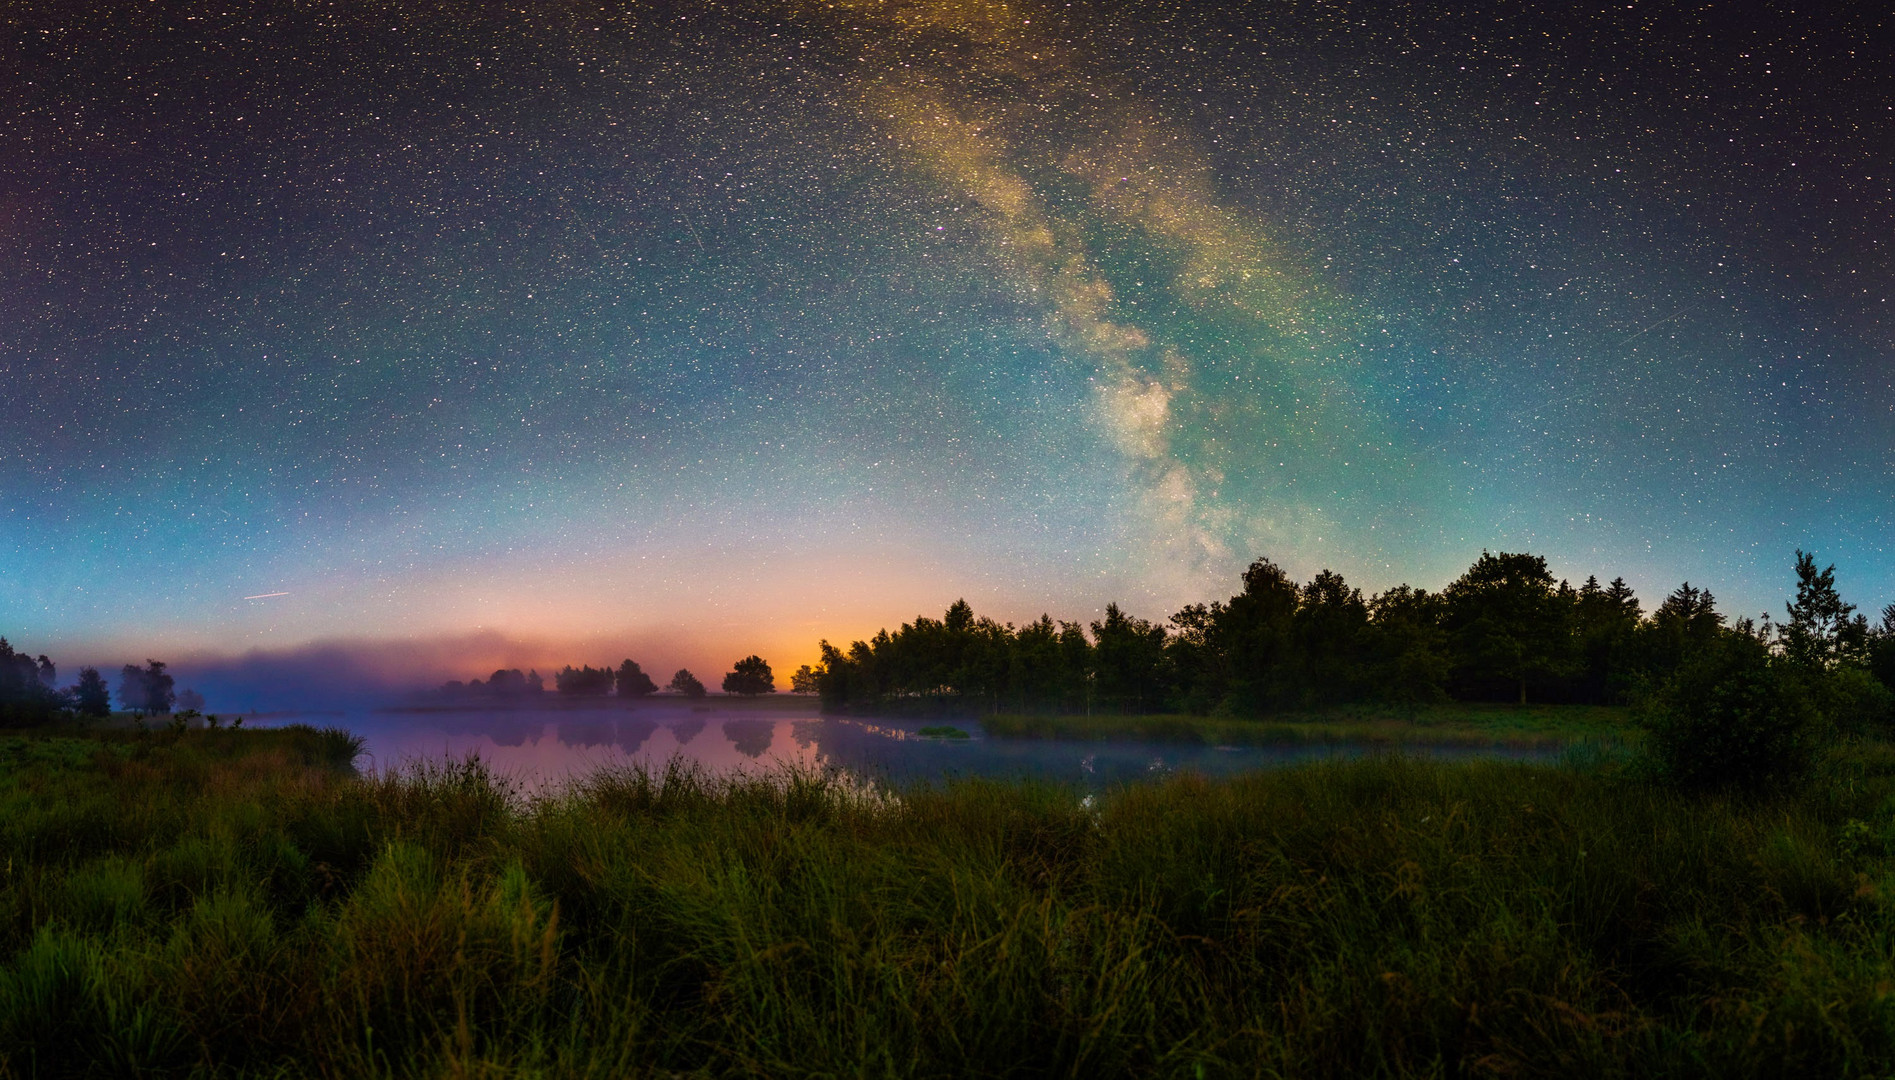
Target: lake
point(542, 747)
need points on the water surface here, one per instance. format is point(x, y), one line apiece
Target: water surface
point(548, 746)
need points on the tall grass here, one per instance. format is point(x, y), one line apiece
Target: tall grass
point(242, 902)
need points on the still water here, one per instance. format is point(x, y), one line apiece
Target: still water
point(546, 747)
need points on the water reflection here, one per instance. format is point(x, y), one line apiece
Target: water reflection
point(752, 738)
point(549, 746)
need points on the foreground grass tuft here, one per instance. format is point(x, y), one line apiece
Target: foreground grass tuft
point(221, 902)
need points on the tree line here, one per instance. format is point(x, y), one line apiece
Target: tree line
point(30, 692)
point(748, 677)
point(1506, 630)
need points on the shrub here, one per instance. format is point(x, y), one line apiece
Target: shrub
point(1730, 718)
point(1855, 701)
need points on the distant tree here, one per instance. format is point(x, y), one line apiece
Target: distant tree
point(506, 682)
point(1129, 661)
point(686, 683)
point(1330, 632)
point(26, 688)
point(804, 681)
point(750, 678)
point(1880, 649)
point(158, 687)
point(1407, 651)
point(1075, 667)
point(1037, 672)
point(1255, 629)
point(132, 694)
point(633, 682)
point(146, 690)
point(1820, 633)
point(534, 683)
point(1508, 625)
point(90, 696)
point(1605, 631)
point(1686, 622)
point(190, 700)
point(586, 681)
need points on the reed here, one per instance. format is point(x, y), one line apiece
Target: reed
point(226, 903)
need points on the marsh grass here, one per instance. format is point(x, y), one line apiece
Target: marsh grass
point(220, 902)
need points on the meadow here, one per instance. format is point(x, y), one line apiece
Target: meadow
point(221, 902)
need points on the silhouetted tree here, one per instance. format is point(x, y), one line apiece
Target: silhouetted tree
point(1256, 632)
point(1036, 667)
point(190, 700)
point(26, 688)
point(1684, 623)
point(586, 681)
point(1128, 661)
point(1881, 648)
point(686, 683)
point(90, 696)
point(146, 690)
point(1407, 652)
point(1820, 634)
point(750, 678)
point(1508, 625)
point(1605, 629)
point(633, 682)
point(1330, 632)
point(803, 681)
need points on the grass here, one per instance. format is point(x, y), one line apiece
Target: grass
point(1457, 724)
point(240, 903)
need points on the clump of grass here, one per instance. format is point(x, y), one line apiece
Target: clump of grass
point(244, 904)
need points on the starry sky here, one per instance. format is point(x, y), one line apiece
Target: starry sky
point(565, 330)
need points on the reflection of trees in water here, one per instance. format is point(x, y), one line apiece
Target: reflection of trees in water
point(586, 732)
point(633, 733)
point(686, 731)
point(806, 732)
point(750, 737)
point(503, 730)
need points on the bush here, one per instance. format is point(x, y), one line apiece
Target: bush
point(1730, 718)
point(1855, 701)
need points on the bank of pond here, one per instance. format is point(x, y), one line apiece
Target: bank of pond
point(218, 902)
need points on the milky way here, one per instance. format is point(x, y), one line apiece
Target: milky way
point(714, 326)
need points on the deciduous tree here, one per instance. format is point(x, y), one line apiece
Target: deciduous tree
point(750, 677)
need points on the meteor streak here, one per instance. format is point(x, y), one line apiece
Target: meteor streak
point(265, 595)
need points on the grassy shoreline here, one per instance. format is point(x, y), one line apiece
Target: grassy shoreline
point(222, 903)
point(1458, 724)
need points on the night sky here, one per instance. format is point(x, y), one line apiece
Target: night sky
point(688, 330)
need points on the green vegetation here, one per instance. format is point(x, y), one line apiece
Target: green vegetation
point(1451, 724)
point(1506, 630)
point(225, 902)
